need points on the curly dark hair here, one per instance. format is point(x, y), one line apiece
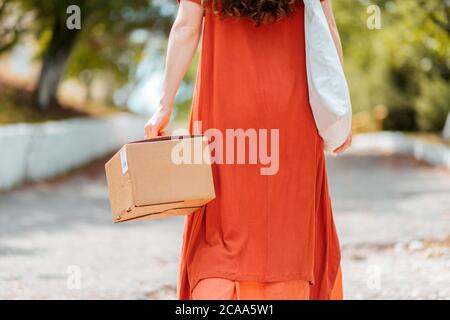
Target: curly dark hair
point(259, 11)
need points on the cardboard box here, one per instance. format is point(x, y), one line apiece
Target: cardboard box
point(146, 179)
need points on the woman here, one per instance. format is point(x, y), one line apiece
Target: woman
point(264, 236)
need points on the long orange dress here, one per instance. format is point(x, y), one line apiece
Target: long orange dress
point(261, 228)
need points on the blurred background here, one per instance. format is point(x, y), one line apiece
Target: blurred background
point(79, 78)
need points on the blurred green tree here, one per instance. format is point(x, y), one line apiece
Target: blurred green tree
point(404, 65)
point(11, 26)
point(102, 42)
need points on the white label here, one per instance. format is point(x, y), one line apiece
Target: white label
point(123, 160)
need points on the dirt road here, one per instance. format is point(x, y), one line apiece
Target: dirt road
point(57, 240)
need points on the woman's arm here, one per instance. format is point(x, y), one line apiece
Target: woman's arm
point(182, 45)
point(328, 10)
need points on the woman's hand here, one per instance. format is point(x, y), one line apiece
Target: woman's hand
point(346, 144)
point(158, 123)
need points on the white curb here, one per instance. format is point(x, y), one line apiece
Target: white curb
point(398, 143)
point(37, 151)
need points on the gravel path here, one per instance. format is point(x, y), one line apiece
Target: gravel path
point(57, 240)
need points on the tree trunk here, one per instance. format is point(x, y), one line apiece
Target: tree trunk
point(54, 63)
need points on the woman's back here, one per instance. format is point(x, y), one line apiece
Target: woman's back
point(243, 66)
point(271, 225)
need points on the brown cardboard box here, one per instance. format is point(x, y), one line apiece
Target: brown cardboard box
point(145, 182)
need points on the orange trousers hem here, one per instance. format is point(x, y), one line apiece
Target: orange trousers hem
point(225, 289)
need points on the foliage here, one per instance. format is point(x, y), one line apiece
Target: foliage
point(12, 27)
point(405, 65)
point(105, 42)
point(432, 105)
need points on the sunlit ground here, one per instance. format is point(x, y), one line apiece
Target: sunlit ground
point(392, 215)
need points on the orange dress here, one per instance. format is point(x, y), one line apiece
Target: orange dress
point(261, 228)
